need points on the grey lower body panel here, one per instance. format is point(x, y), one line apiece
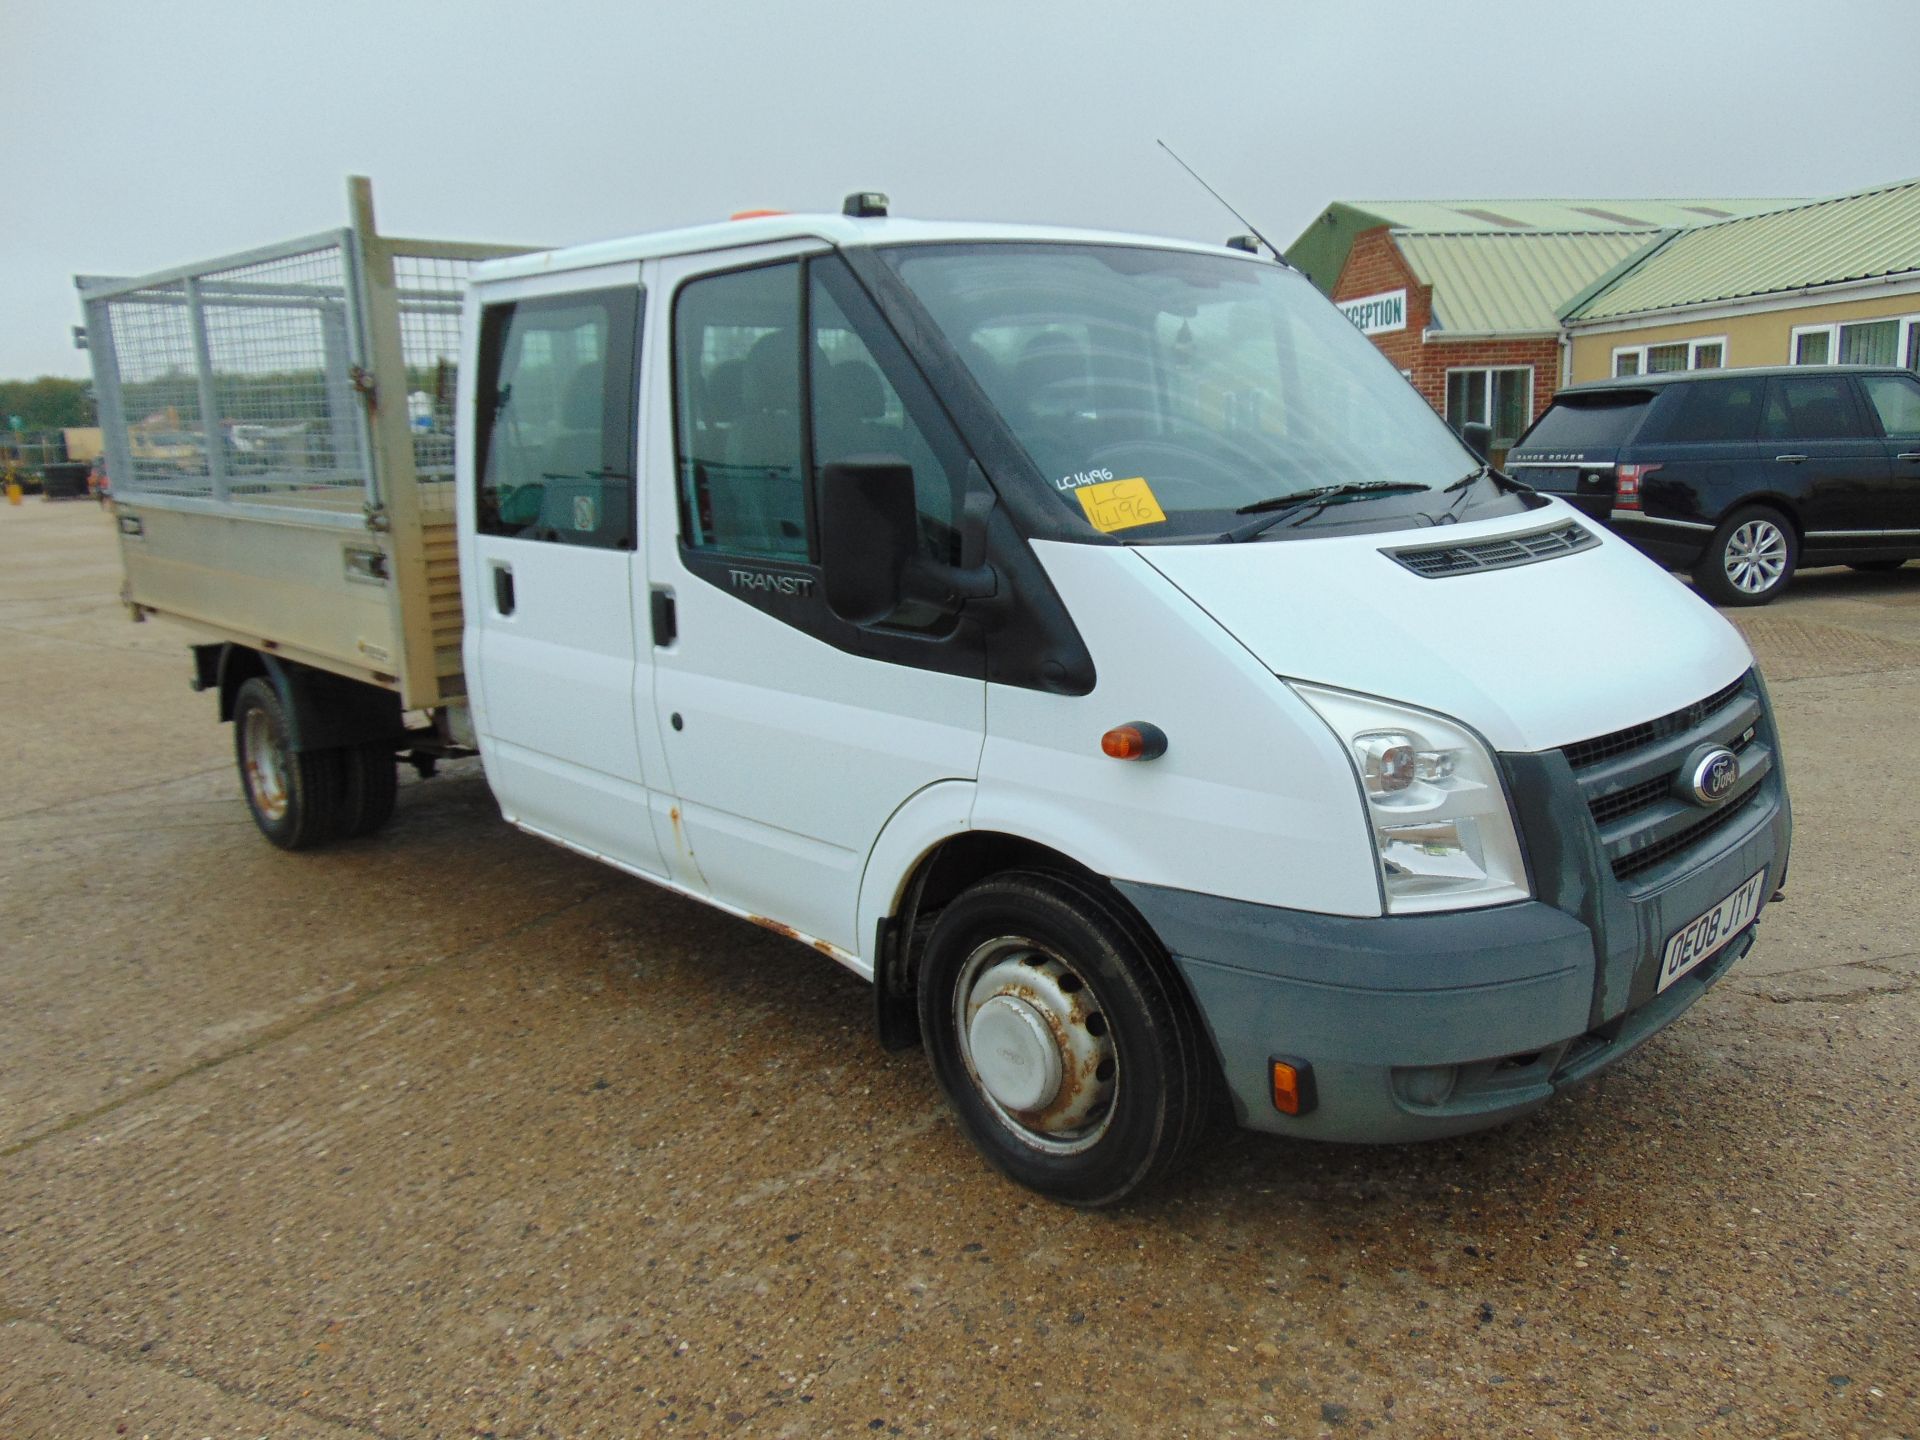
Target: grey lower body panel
point(1417, 1027)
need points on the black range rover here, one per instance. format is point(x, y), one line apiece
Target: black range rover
point(1740, 476)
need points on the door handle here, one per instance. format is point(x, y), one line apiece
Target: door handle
point(1791, 459)
point(666, 620)
point(503, 589)
point(1908, 455)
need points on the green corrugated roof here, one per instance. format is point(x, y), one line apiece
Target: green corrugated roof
point(1496, 216)
point(1513, 283)
point(1321, 249)
point(1862, 236)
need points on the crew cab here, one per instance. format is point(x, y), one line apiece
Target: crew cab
point(1089, 639)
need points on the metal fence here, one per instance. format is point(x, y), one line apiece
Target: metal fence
point(240, 385)
point(429, 290)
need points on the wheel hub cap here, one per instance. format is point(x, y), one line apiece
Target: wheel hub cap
point(1037, 1043)
point(266, 780)
point(1015, 1053)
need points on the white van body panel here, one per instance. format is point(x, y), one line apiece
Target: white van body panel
point(789, 755)
point(936, 813)
point(1533, 656)
point(1254, 799)
point(553, 681)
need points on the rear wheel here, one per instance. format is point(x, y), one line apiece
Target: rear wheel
point(1749, 559)
point(1062, 1037)
point(294, 795)
point(370, 783)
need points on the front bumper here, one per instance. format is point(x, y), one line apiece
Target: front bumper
point(1422, 1026)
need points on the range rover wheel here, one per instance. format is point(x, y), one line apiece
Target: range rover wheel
point(1063, 1038)
point(294, 795)
point(1749, 559)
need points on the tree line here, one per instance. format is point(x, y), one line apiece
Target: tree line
point(48, 403)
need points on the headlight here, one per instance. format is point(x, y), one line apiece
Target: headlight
point(1441, 824)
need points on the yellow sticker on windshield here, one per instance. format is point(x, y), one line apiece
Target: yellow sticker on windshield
point(1120, 504)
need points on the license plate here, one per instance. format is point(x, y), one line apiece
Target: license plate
point(1701, 937)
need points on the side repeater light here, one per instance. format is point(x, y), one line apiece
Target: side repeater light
point(1293, 1092)
point(1136, 740)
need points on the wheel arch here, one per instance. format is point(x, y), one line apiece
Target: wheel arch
point(941, 870)
point(1767, 500)
point(323, 711)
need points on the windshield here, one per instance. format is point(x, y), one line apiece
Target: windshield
point(1161, 391)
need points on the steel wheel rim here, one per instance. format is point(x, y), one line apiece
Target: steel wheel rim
point(265, 771)
point(1013, 973)
point(1756, 557)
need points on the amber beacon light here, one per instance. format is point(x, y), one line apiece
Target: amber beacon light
point(1136, 740)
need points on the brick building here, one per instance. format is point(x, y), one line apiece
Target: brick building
point(1465, 296)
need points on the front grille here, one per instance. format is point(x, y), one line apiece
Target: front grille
point(1583, 753)
point(1629, 778)
point(1438, 562)
point(1628, 866)
point(1608, 808)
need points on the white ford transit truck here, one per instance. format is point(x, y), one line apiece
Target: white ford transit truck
point(1089, 639)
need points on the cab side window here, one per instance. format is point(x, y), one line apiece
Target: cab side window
point(1896, 400)
point(742, 480)
point(781, 370)
point(555, 423)
point(858, 411)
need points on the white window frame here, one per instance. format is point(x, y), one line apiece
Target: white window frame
point(1487, 394)
point(1832, 329)
point(1693, 343)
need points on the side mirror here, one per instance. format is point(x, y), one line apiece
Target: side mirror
point(869, 527)
point(870, 558)
point(1479, 437)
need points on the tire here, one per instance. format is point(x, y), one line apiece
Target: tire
point(1037, 965)
point(294, 795)
point(1749, 559)
point(369, 781)
point(1876, 567)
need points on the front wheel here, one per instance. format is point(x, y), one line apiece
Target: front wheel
point(1062, 1037)
point(1749, 559)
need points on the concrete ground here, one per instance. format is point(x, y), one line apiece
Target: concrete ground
point(451, 1133)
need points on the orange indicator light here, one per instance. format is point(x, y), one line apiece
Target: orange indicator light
point(1135, 741)
point(1292, 1087)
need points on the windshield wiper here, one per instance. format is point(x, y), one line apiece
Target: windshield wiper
point(1303, 503)
point(1487, 472)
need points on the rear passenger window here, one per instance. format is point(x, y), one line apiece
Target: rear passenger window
point(1815, 408)
point(1896, 400)
point(1720, 410)
point(555, 420)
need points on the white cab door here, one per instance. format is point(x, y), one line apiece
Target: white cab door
point(553, 658)
point(791, 737)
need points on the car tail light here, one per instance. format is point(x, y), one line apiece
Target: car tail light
point(1626, 485)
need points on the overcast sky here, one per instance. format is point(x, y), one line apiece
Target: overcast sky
point(135, 136)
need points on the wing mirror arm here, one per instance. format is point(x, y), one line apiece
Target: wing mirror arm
point(870, 543)
point(951, 586)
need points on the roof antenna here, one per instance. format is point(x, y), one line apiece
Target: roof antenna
point(1223, 200)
